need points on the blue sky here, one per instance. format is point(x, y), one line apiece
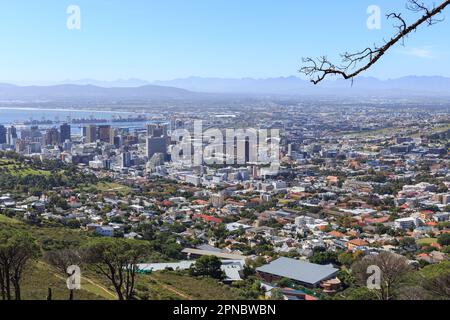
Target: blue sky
point(166, 39)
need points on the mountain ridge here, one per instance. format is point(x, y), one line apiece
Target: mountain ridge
point(199, 87)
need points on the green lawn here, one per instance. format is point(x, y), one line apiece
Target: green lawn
point(112, 187)
point(107, 187)
point(427, 241)
point(15, 168)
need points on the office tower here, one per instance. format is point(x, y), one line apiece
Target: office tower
point(112, 136)
point(2, 134)
point(117, 141)
point(156, 145)
point(91, 133)
point(20, 145)
point(157, 130)
point(126, 159)
point(51, 137)
point(11, 136)
point(176, 124)
point(64, 133)
point(104, 133)
point(157, 139)
point(31, 134)
point(34, 147)
point(106, 164)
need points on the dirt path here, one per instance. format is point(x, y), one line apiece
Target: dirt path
point(171, 289)
point(110, 293)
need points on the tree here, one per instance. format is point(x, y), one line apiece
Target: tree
point(209, 266)
point(435, 279)
point(346, 277)
point(392, 266)
point(353, 64)
point(276, 294)
point(285, 283)
point(324, 257)
point(356, 294)
point(17, 249)
point(346, 259)
point(407, 242)
point(444, 239)
point(117, 260)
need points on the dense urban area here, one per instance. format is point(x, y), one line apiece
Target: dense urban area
point(357, 185)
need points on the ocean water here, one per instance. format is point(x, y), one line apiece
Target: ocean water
point(17, 116)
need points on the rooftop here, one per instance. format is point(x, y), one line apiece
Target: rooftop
point(298, 270)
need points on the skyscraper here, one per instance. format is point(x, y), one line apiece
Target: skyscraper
point(156, 145)
point(11, 136)
point(2, 134)
point(91, 133)
point(64, 133)
point(104, 133)
point(51, 137)
point(157, 139)
point(126, 159)
point(157, 130)
point(112, 135)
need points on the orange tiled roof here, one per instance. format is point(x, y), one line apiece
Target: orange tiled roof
point(336, 234)
point(207, 218)
point(358, 242)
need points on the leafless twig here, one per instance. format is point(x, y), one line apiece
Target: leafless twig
point(319, 68)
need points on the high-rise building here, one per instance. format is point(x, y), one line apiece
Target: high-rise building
point(11, 136)
point(91, 133)
point(107, 164)
point(157, 139)
point(64, 132)
point(104, 133)
point(156, 145)
point(52, 137)
point(175, 124)
point(34, 147)
point(117, 141)
point(112, 136)
point(2, 134)
point(31, 134)
point(157, 130)
point(20, 145)
point(126, 159)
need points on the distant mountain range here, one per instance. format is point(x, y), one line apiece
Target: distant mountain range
point(196, 87)
point(416, 85)
point(90, 92)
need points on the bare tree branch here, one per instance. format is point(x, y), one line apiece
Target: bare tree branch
point(319, 68)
